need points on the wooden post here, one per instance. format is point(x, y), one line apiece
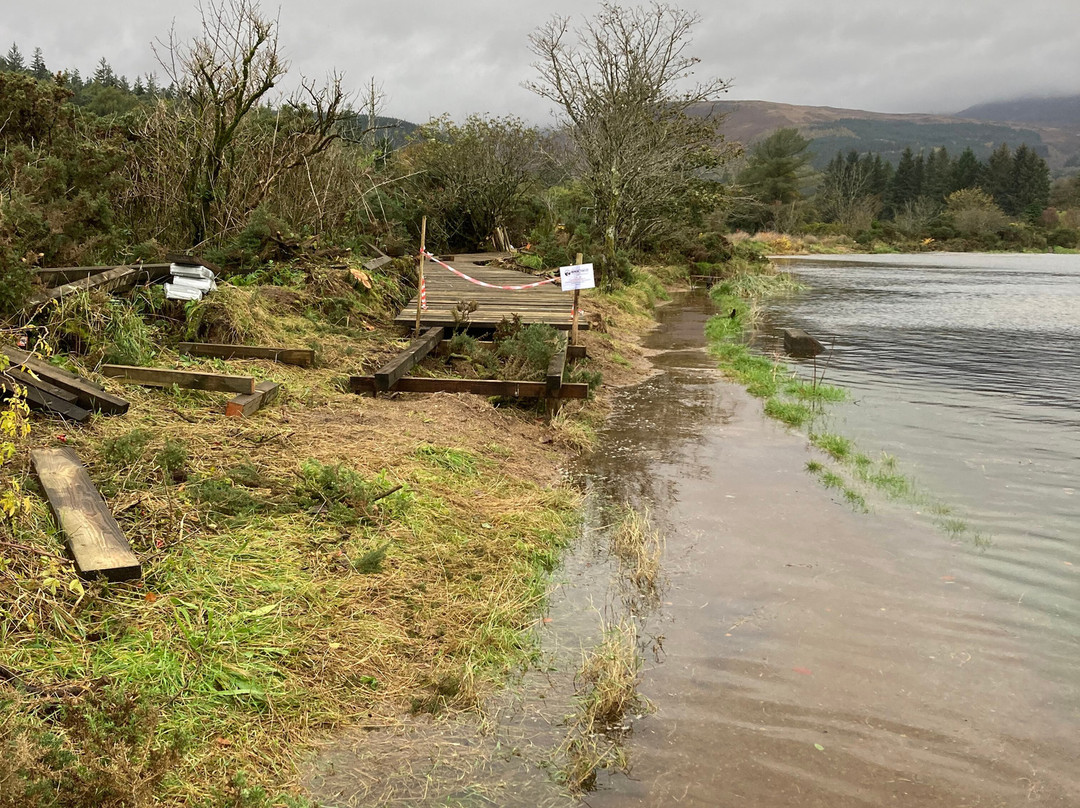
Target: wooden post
point(420, 288)
point(577, 295)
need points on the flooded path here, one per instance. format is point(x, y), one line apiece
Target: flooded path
point(815, 656)
point(800, 654)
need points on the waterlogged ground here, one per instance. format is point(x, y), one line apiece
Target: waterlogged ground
point(799, 654)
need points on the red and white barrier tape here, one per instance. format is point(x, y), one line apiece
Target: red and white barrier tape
point(461, 274)
point(423, 294)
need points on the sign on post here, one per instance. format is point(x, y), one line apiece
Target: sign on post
point(579, 276)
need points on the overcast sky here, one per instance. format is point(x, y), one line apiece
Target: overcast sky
point(471, 56)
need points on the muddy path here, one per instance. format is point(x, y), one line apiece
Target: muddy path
point(800, 653)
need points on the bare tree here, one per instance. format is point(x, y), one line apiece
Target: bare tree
point(235, 149)
point(643, 134)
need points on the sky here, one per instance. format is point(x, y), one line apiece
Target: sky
point(471, 56)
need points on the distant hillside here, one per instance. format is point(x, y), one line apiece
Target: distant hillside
point(1059, 112)
point(831, 129)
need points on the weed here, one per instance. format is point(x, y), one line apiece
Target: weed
point(371, 561)
point(855, 499)
point(609, 678)
point(830, 479)
point(220, 496)
point(814, 467)
point(640, 547)
point(789, 412)
point(458, 461)
point(338, 492)
point(172, 460)
point(127, 450)
point(837, 446)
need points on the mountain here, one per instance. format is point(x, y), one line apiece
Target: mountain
point(832, 129)
point(1062, 112)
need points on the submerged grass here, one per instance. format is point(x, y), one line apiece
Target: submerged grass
point(608, 691)
point(799, 403)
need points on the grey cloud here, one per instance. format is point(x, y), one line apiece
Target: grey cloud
point(465, 57)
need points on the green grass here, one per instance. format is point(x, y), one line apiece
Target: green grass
point(791, 413)
point(836, 446)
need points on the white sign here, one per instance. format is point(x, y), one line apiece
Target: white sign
point(579, 276)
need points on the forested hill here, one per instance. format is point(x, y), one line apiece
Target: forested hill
point(832, 130)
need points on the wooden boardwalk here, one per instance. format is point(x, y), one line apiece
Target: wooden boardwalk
point(445, 290)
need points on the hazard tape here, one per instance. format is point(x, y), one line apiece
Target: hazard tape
point(461, 274)
point(423, 294)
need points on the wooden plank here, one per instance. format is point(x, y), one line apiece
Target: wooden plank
point(45, 402)
point(95, 539)
point(480, 387)
point(553, 380)
point(193, 380)
point(388, 374)
point(800, 344)
point(87, 394)
point(248, 404)
point(572, 351)
point(55, 276)
point(377, 263)
point(303, 357)
point(116, 279)
point(22, 377)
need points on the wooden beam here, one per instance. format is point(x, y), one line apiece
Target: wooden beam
point(44, 402)
point(572, 351)
point(116, 279)
point(303, 357)
point(22, 377)
point(244, 405)
point(388, 374)
point(800, 344)
point(193, 380)
point(87, 394)
point(556, 366)
point(95, 539)
point(480, 387)
point(376, 263)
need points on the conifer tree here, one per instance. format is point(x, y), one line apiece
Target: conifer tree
point(37, 65)
point(965, 171)
point(1030, 186)
point(998, 177)
point(14, 59)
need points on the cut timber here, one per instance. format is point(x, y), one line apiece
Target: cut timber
point(376, 263)
point(160, 377)
point(43, 401)
point(116, 279)
point(87, 394)
point(96, 542)
point(303, 357)
point(572, 351)
point(553, 380)
point(244, 405)
point(388, 374)
point(480, 387)
point(800, 344)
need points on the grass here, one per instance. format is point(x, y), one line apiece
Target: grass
point(608, 690)
point(330, 557)
point(640, 549)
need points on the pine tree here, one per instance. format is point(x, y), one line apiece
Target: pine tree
point(965, 171)
point(906, 182)
point(937, 176)
point(104, 75)
point(998, 178)
point(138, 87)
point(1030, 186)
point(37, 66)
point(14, 59)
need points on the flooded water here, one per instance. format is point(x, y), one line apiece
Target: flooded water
point(800, 654)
